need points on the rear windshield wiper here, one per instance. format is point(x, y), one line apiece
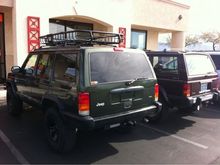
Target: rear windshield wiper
point(128, 83)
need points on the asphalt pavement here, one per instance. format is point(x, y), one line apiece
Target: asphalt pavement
point(182, 139)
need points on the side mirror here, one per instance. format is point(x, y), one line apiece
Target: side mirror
point(15, 69)
point(29, 71)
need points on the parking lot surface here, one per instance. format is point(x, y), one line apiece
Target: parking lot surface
point(185, 139)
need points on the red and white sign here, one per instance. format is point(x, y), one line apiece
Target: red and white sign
point(123, 32)
point(33, 29)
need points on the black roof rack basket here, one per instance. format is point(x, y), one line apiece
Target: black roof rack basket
point(81, 37)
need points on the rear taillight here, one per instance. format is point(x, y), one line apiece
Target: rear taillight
point(156, 92)
point(186, 90)
point(83, 103)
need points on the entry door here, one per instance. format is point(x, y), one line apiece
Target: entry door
point(2, 50)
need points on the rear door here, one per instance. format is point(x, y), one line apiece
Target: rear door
point(120, 81)
point(201, 71)
point(168, 71)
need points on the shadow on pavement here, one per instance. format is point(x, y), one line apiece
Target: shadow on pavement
point(27, 134)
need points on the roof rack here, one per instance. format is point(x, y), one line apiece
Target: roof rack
point(81, 37)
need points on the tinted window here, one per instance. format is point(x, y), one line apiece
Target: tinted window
point(30, 64)
point(120, 66)
point(216, 59)
point(166, 64)
point(199, 64)
point(65, 67)
point(43, 66)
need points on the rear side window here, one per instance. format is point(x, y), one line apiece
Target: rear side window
point(168, 64)
point(65, 67)
point(216, 59)
point(198, 64)
point(119, 66)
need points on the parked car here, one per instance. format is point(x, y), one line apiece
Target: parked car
point(186, 80)
point(82, 86)
point(216, 58)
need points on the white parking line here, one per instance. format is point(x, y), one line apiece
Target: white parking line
point(175, 136)
point(20, 158)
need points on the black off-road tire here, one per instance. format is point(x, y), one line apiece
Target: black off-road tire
point(126, 127)
point(61, 137)
point(160, 117)
point(14, 104)
point(190, 109)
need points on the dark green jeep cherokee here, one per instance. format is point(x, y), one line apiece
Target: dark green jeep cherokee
point(81, 86)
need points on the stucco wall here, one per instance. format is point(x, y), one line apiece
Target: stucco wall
point(113, 12)
point(162, 14)
point(151, 14)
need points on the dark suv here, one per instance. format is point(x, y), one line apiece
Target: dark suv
point(80, 85)
point(185, 79)
point(216, 59)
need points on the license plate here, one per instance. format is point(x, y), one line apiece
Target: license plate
point(204, 86)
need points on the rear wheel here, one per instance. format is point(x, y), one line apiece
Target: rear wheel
point(160, 117)
point(14, 104)
point(60, 137)
point(191, 109)
point(126, 127)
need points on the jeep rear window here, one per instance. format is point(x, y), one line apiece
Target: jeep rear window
point(119, 66)
point(198, 64)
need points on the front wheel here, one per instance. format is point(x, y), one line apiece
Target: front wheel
point(59, 136)
point(14, 104)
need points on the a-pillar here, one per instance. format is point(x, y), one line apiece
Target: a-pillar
point(178, 41)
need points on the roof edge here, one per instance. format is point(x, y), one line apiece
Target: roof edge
point(176, 3)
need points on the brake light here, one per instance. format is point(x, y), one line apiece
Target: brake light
point(156, 92)
point(83, 103)
point(186, 90)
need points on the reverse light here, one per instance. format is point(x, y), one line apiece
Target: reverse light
point(186, 90)
point(156, 92)
point(83, 103)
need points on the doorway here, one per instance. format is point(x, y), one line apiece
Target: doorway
point(2, 50)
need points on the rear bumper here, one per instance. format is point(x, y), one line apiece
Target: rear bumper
point(216, 97)
point(194, 100)
point(90, 123)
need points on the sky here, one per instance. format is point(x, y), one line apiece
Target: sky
point(204, 15)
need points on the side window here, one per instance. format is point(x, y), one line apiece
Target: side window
point(43, 66)
point(65, 67)
point(29, 66)
point(165, 64)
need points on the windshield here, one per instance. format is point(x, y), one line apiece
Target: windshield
point(119, 66)
point(198, 64)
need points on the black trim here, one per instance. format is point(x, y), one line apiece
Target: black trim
point(3, 46)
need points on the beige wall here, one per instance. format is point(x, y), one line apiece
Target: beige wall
point(6, 3)
point(152, 38)
point(162, 14)
point(154, 16)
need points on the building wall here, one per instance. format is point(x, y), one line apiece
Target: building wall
point(161, 14)
point(113, 12)
point(153, 16)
